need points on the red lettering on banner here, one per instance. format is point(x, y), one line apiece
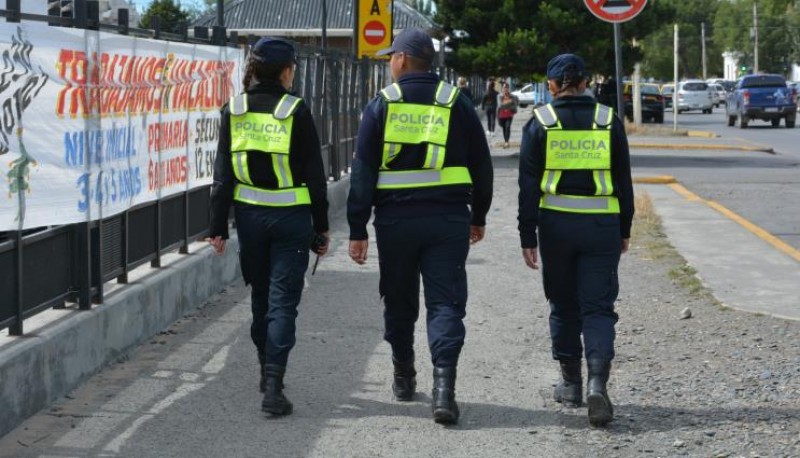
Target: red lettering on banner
point(117, 84)
point(168, 172)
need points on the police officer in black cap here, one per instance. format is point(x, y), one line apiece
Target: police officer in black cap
point(575, 186)
point(269, 166)
point(421, 161)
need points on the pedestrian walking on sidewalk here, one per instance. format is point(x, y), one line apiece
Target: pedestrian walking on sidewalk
point(489, 106)
point(575, 186)
point(507, 105)
point(421, 160)
point(269, 166)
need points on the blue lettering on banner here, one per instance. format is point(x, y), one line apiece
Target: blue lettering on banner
point(99, 146)
point(109, 187)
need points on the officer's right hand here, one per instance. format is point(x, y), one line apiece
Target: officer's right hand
point(531, 257)
point(218, 243)
point(358, 251)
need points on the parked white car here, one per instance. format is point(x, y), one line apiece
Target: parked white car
point(526, 95)
point(719, 95)
point(693, 95)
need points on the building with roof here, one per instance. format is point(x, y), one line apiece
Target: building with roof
point(301, 20)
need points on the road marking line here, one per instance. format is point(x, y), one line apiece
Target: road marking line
point(758, 231)
point(217, 362)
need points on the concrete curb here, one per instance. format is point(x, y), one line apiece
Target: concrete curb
point(700, 146)
point(39, 368)
point(701, 134)
point(661, 179)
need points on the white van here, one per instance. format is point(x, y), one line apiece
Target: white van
point(693, 95)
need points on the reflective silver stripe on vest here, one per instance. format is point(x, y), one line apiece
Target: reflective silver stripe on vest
point(392, 93)
point(445, 93)
point(239, 159)
point(267, 198)
point(393, 147)
point(602, 178)
point(238, 105)
point(592, 203)
point(602, 116)
point(281, 160)
point(435, 149)
point(286, 107)
point(551, 176)
point(545, 116)
point(421, 177)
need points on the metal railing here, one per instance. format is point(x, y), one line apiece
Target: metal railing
point(47, 268)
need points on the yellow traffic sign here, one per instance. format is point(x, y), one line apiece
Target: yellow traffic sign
point(374, 27)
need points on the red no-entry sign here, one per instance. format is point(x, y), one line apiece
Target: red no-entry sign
point(374, 32)
point(615, 10)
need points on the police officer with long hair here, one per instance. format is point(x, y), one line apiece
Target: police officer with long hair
point(269, 166)
point(421, 160)
point(575, 186)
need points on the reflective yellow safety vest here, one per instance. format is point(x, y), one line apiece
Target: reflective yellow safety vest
point(265, 133)
point(577, 150)
point(418, 124)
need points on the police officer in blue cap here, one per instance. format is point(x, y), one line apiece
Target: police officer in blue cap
point(269, 166)
point(575, 186)
point(423, 162)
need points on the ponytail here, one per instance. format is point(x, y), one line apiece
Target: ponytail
point(261, 72)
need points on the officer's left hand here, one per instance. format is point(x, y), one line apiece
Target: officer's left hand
point(476, 234)
point(626, 243)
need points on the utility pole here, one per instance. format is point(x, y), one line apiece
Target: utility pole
point(324, 26)
point(703, 44)
point(675, 79)
point(755, 34)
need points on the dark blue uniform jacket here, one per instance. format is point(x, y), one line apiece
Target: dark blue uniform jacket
point(305, 161)
point(466, 147)
point(574, 113)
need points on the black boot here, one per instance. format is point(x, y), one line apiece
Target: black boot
point(274, 401)
point(601, 412)
point(570, 391)
point(445, 409)
point(405, 380)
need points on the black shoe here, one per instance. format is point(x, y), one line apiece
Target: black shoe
point(601, 411)
point(445, 409)
point(569, 391)
point(274, 401)
point(405, 380)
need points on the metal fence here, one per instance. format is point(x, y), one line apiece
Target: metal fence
point(51, 267)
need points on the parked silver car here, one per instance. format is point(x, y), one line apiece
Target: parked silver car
point(719, 95)
point(693, 95)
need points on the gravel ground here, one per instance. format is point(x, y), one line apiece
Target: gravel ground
point(720, 383)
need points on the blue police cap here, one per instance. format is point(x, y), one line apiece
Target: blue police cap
point(563, 64)
point(414, 42)
point(271, 50)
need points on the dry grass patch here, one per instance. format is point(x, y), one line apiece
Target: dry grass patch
point(654, 130)
point(648, 233)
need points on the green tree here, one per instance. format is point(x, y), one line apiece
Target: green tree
point(518, 37)
point(170, 14)
point(658, 47)
point(777, 34)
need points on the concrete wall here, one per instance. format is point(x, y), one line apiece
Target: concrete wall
point(39, 368)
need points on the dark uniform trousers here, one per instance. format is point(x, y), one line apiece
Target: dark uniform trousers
point(274, 245)
point(580, 254)
point(435, 246)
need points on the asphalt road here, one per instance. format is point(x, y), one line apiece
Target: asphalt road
point(761, 187)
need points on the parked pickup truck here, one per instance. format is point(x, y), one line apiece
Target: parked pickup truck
point(764, 97)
